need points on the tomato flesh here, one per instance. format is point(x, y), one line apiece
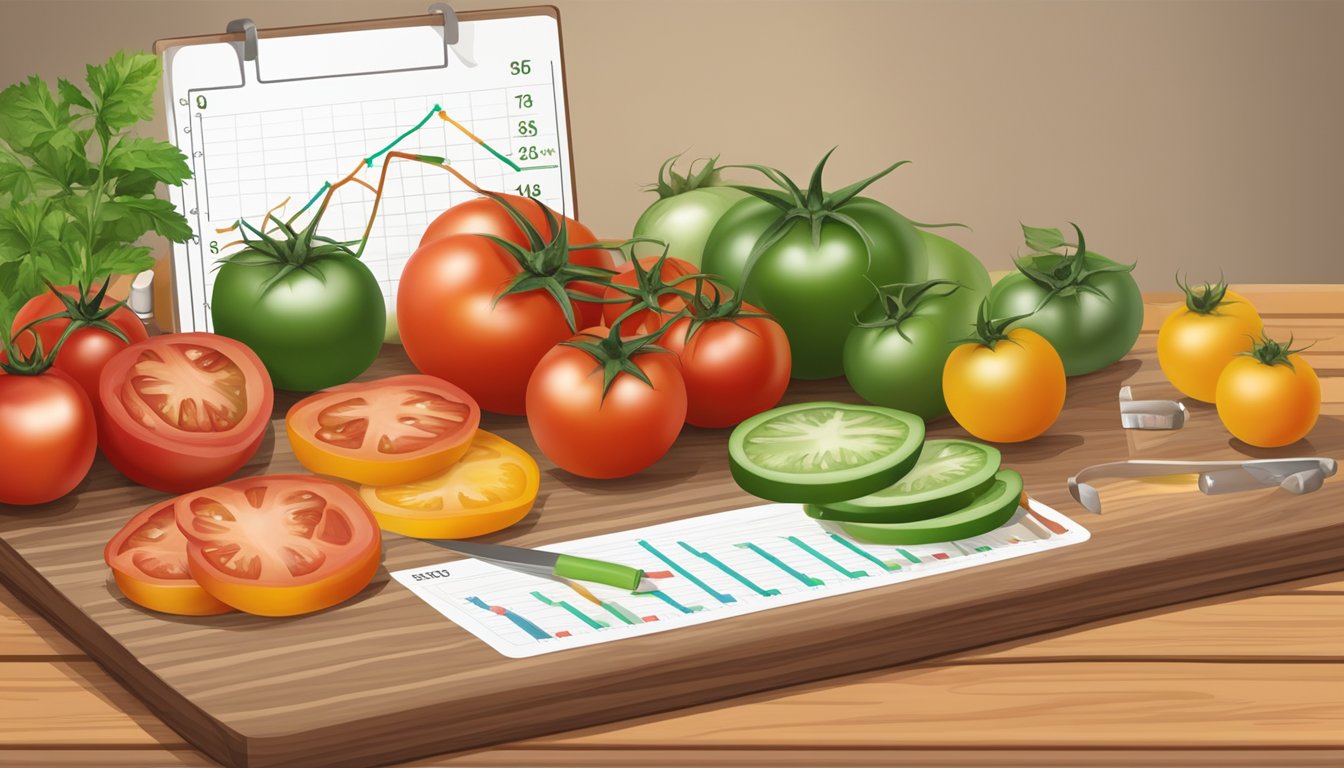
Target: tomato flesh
point(148, 557)
point(279, 545)
point(183, 411)
point(393, 430)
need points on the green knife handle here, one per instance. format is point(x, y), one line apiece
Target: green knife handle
point(583, 569)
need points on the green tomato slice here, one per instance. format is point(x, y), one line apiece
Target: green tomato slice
point(823, 452)
point(991, 509)
point(949, 475)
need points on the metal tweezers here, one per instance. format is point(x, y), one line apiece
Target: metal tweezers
point(1297, 475)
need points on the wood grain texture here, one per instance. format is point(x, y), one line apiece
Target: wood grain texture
point(308, 691)
point(24, 634)
point(70, 703)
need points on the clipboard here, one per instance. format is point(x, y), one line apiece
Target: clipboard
point(267, 117)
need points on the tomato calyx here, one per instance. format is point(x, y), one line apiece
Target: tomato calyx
point(670, 183)
point(705, 307)
point(298, 249)
point(82, 310)
point(544, 265)
point(1204, 299)
point(650, 287)
point(615, 355)
point(897, 302)
point(1267, 351)
point(1059, 272)
point(814, 206)
point(988, 331)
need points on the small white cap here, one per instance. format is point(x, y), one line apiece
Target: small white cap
point(141, 300)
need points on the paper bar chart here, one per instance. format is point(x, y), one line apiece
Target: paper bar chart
point(713, 567)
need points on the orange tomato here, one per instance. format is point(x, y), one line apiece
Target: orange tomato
point(1270, 397)
point(394, 430)
point(148, 557)
point(1198, 340)
point(1007, 392)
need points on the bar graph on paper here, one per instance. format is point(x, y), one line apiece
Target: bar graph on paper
point(707, 568)
point(499, 120)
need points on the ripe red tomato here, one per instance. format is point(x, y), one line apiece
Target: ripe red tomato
point(452, 326)
point(148, 557)
point(486, 216)
point(594, 436)
point(667, 274)
point(383, 432)
point(47, 437)
point(183, 411)
point(734, 367)
point(85, 351)
point(279, 545)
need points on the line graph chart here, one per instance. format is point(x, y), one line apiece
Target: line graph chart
point(501, 124)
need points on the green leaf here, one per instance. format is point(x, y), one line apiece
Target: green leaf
point(120, 260)
point(159, 159)
point(31, 247)
point(71, 96)
point(148, 214)
point(15, 180)
point(1042, 238)
point(31, 118)
point(123, 90)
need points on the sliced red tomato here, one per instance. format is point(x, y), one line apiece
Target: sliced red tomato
point(183, 411)
point(148, 557)
point(394, 430)
point(492, 487)
point(279, 545)
point(86, 350)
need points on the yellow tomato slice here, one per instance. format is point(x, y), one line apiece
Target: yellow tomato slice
point(492, 487)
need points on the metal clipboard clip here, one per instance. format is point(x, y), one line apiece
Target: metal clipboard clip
point(451, 35)
point(1297, 475)
point(1150, 414)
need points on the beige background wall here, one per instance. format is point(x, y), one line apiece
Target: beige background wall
point(1196, 136)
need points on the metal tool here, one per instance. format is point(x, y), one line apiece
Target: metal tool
point(1296, 475)
point(538, 562)
point(1150, 414)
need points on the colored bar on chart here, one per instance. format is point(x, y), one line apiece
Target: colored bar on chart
point(939, 555)
point(714, 561)
point(621, 612)
point(852, 547)
point(828, 561)
point(670, 563)
point(906, 554)
point(580, 615)
point(985, 548)
point(532, 629)
point(783, 566)
point(666, 598)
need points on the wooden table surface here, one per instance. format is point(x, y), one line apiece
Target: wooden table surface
point(1247, 679)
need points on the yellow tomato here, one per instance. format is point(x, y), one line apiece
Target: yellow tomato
point(1270, 397)
point(1198, 340)
point(492, 487)
point(1008, 392)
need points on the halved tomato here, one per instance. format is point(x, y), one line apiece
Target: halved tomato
point(393, 430)
point(279, 545)
point(183, 411)
point(148, 557)
point(491, 488)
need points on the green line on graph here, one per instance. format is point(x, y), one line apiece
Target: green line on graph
point(828, 561)
point(866, 555)
point(783, 566)
point(594, 623)
point(908, 556)
point(743, 580)
point(621, 613)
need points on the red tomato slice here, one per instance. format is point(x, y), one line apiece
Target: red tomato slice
point(279, 545)
point(183, 411)
point(148, 557)
point(386, 432)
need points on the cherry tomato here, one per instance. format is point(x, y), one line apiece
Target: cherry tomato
point(492, 487)
point(47, 437)
point(1199, 339)
point(1005, 393)
point(668, 303)
point(394, 430)
point(183, 411)
point(734, 368)
point(86, 350)
point(148, 557)
point(597, 436)
point(279, 545)
point(1270, 397)
point(486, 216)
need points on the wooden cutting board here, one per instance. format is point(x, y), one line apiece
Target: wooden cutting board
point(385, 677)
